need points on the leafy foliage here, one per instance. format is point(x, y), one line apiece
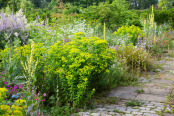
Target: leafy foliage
point(164, 16)
point(77, 68)
point(108, 13)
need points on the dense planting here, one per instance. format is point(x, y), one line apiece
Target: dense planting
point(55, 63)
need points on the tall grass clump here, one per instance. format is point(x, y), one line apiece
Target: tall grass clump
point(135, 57)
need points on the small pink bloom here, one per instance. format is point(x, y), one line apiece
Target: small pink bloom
point(21, 98)
point(20, 86)
point(5, 82)
point(42, 100)
point(44, 94)
point(65, 40)
point(15, 87)
point(3, 72)
point(36, 99)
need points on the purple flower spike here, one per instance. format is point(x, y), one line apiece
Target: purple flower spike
point(5, 82)
point(37, 113)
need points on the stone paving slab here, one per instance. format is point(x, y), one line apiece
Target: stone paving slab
point(167, 76)
point(123, 95)
point(167, 68)
point(155, 91)
point(156, 86)
point(150, 97)
point(168, 58)
point(162, 81)
point(168, 114)
point(124, 92)
point(149, 114)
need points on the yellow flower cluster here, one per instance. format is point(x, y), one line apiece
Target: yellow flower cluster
point(21, 102)
point(2, 94)
point(4, 54)
point(5, 110)
point(76, 62)
point(132, 31)
point(80, 34)
point(25, 51)
point(17, 110)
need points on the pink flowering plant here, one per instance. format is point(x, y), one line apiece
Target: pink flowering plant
point(33, 100)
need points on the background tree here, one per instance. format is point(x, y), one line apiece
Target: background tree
point(3, 3)
point(141, 4)
point(166, 4)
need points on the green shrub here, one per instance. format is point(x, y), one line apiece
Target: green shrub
point(132, 18)
point(76, 67)
point(27, 54)
point(68, 72)
point(133, 33)
point(32, 14)
point(112, 77)
point(112, 14)
point(164, 16)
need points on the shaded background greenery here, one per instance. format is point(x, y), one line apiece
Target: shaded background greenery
point(114, 13)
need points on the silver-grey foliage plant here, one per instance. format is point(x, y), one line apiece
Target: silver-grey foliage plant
point(11, 26)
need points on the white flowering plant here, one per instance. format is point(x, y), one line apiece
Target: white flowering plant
point(50, 35)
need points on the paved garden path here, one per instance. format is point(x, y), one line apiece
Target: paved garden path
point(157, 86)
